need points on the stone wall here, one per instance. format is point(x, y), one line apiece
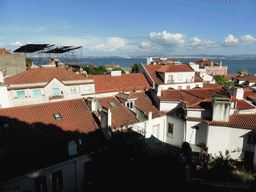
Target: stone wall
point(12, 64)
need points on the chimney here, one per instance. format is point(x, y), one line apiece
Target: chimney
point(150, 115)
point(239, 93)
point(115, 73)
point(106, 122)
point(221, 109)
point(91, 102)
point(220, 63)
point(211, 63)
point(149, 60)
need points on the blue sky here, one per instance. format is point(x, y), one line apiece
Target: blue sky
point(132, 28)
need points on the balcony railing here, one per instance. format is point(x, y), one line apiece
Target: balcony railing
point(56, 97)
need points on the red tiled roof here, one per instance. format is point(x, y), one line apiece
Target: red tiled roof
point(144, 103)
point(151, 69)
point(175, 68)
point(193, 98)
point(238, 120)
point(125, 82)
point(3, 51)
point(37, 75)
point(250, 78)
point(211, 85)
point(121, 115)
point(159, 60)
point(205, 63)
point(249, 93)
point(230, 76)
point(36, 140)
point(241, 104)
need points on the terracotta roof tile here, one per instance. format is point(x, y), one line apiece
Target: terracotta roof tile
point(121, 115)
point(238, 120)
point(3, 51)
point(37, 75)
point(125, 82)
point(193, 98)
point(151, 69)
point(241, 104)
point(38, 140)
point(144, 103)
point(205, 63)
point(175, 68)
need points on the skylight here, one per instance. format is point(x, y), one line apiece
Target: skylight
point(112, 104)
point(57, 116)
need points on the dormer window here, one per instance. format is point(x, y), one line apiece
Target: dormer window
point(57, 116)
point(129, 105)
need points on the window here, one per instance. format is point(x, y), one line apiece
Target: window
point(188, 87)
point(56, 91)
point(209, 71)
point(57, 181)
point(37, 93)
point(112, 103)
point(213, 71)
point(21, 94)
point(179, 87)
point(73, 90)
point(170, 130)
point(222, 71)
point(57, 116)
point(156, 130)
point(41, 184)
point(218, 71)
point(129, 105)
point(72, 150)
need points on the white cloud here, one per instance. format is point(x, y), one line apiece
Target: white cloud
point(111, 44)
point(145, 45)
point(17, 43)
point(231, 41)
point(165, 39)
point(195, 42)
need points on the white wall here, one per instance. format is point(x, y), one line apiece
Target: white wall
point(176, 86)
point(47, 92)
point(168, 105)
point(180, 77)
point(226, 138)
point(4, 99)
point(178, 131)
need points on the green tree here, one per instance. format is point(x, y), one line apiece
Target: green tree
point(221, 80)
point(118, 69)
point(93, 70)
point(103, 69)
point(135, 68)
point(28, 63)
